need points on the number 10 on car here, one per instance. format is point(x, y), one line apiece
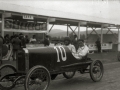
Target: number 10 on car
point(62, 50)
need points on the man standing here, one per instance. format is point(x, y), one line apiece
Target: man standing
point(23, 42)
point(98, 45)
point(46, 41)
point(82, 50)
point(33, 40)
point(16, 42)
point(71, 47)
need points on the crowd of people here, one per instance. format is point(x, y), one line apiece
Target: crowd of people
point(19, 41)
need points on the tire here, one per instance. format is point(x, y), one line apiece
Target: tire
point(69, 75)
point(96, 68)
point(36, 77)
point(6, 80)
point(19, 81)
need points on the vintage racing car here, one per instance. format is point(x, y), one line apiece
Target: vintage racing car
point(36, 67)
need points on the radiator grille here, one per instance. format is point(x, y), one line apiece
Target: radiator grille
point(21, 61)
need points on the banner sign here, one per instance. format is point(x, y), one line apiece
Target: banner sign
point(28, 17)
point(9, 24)
point(104, 46)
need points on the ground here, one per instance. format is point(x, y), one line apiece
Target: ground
point(105, 57)
point(110, 80)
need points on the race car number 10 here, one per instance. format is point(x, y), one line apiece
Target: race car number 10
point(61, 51)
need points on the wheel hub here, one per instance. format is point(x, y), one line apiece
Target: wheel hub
point(38, 81)
point(96, 70)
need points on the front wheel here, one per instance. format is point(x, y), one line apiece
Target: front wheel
point(96, 70)
point(37, 78)
point(69, 75)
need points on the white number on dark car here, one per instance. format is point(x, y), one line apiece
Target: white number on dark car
point(61, 51)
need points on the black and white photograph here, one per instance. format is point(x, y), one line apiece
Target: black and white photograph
point(59, 44)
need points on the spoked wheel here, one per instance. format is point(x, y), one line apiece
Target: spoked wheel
point(38, 78)
point(96, 70)
point(19, 81)
point(7, 76)
point(69, 74)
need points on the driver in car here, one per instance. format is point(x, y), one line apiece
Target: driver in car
point(82, 50)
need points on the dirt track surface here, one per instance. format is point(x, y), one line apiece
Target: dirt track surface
point(110, 80)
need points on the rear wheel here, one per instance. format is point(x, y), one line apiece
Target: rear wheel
point(96, 70)
point(6, 76)
point(69, 74)
point(38, 78)
point(19, 81)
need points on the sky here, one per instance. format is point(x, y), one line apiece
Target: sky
point(109, 9)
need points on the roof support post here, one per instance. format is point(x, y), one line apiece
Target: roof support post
point(89, 34)
point(93, 30)
point(51, 27)
point(112, 33)
point(101, 40)
point(47, 25)
point(78, 30)
point(108, 31)
point(67, 30)
point(72, 30)
point(118, 38)
point(75, 29)
point(2, 26)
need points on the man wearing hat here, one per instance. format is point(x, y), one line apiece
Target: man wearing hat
point(67, 43)
point(46, 41)
point(16, 42)
point(82, 49)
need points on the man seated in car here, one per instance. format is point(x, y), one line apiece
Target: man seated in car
point(67, 43)
point(82, 49)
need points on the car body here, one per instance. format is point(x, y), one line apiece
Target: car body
point(55, 59)
point(39, 65)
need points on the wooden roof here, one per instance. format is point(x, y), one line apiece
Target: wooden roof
point(61, 17)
